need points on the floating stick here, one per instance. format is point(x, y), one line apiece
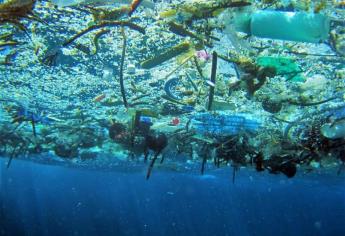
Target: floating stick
point(33, 126)
point(104, 24)
point(122, 86)
point(135, 4)
point(165, 56)
point(213, 80)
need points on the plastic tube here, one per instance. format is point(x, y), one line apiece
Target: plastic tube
point(293, 26)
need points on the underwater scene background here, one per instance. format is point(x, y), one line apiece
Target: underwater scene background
point(144, 117)
point(50, 200)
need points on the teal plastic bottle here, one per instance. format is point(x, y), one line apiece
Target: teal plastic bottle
point(293, 26)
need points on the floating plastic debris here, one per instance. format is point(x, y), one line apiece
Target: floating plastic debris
point(24, 114)
point(175, 121)
point(294, 26)
point(146, 120)
point(284, 66)
point(223, 124)
point(202, 54)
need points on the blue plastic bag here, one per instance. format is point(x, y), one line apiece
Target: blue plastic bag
point(223, 124)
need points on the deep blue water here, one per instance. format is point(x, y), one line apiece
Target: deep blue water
point(49, 200)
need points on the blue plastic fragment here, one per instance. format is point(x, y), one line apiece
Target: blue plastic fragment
point(33, 116)
point(146, 120)
point(4, 51)
point(223, 124)
point(187, 108)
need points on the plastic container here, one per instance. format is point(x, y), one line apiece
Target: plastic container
point(293, 26)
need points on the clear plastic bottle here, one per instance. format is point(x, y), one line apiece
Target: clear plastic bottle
point(293, 26)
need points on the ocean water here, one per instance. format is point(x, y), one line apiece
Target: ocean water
point(46, 200)
point(179, 117)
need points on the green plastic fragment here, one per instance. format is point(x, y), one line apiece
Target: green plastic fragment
point(284, 66)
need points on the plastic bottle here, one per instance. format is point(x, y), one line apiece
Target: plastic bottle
point(294, 26)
